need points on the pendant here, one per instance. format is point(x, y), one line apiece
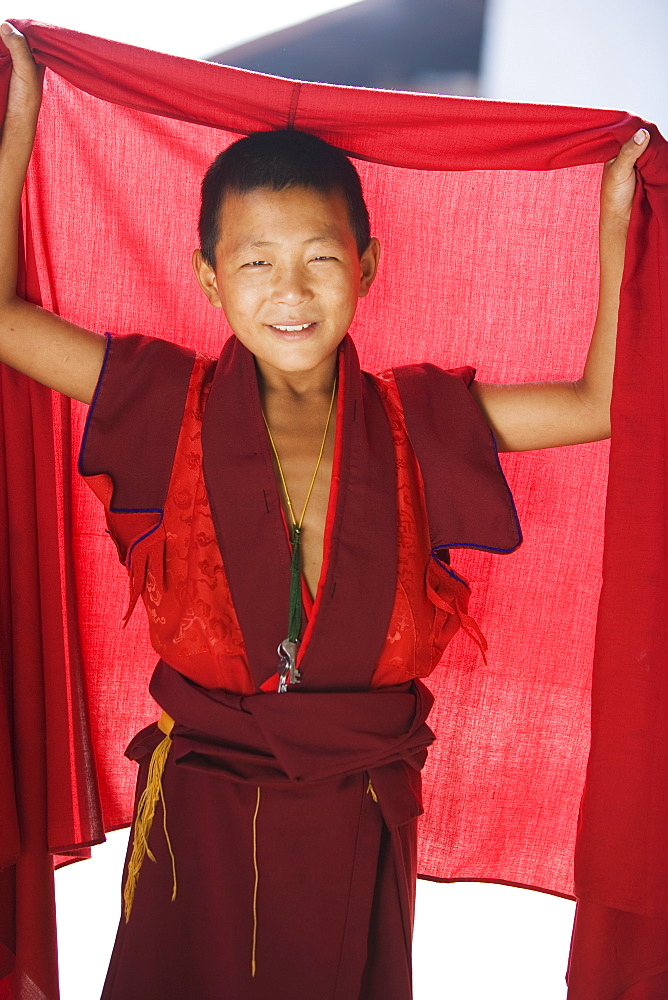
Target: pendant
point(287, 666)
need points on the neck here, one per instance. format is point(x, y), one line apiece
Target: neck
point(299, 386)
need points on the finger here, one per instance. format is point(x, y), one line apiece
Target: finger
point(25, 71)
point(10, 34)
point(634, 147)
point(638, 142)
point(15, 42)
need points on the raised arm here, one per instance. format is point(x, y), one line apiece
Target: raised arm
point(34, 341)
point(530, 415)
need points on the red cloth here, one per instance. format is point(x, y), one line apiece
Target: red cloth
point(487, 212)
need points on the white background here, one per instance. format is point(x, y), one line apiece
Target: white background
point(593, 53)
point(192, 30)
point(473, 941)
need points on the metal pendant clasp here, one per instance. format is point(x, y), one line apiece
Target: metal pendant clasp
point(287, 665)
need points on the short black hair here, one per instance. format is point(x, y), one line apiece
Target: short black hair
point(277, 160)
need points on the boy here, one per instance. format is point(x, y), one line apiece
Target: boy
point(311, 816)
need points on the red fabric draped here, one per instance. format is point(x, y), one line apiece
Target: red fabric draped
point(487, 213)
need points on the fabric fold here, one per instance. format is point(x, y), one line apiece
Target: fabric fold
point(268, 738)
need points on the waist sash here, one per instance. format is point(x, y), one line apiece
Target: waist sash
point(311, 736)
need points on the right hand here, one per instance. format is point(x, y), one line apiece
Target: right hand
point(25, 88)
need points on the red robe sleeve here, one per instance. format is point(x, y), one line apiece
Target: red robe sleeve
point(129, 443)
point(131, 432)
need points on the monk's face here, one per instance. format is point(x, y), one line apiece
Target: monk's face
point(288, 274)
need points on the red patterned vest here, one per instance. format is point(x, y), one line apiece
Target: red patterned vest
point(178, 570)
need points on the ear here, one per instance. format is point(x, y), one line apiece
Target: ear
point(368, 266)
point(207, 279)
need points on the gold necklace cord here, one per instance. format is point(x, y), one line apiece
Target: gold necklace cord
point(295, 523)
point(253, 962)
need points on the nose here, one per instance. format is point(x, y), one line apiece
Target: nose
point(290, 286)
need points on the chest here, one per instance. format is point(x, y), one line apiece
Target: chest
point(303, 462)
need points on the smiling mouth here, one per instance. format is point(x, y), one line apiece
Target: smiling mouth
point(292, 329)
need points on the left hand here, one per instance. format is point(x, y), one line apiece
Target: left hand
point(619, 180)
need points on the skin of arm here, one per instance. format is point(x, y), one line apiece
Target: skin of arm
point(531, 415)
point(59, 354)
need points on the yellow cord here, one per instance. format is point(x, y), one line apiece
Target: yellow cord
point(169, 843)
point(143, 822)
point(298, 524)
point(257, 806)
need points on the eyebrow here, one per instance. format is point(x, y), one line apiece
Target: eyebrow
point(330, 239)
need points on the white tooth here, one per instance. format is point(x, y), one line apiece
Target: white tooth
point(292, 329)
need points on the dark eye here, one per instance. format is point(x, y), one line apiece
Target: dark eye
point(324, 258)
point(256, 263)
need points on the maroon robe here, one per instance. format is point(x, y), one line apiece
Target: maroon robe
point(292, 818)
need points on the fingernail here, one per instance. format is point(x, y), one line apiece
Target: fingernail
point(640, 136)
point(6, 28)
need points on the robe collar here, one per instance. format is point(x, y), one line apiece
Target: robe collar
point(359, 586)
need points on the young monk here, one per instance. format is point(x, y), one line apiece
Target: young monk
point(285, 519)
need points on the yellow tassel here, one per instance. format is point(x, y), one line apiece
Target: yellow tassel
point(257, 806)
point(372, 790)
point(143, 822)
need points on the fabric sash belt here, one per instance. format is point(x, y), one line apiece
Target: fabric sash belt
point(311, 736)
